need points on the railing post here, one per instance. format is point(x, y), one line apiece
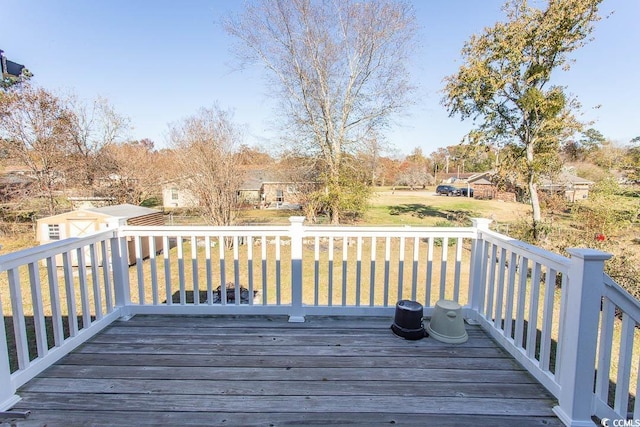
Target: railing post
point(8, 396)
point(579, 317)
point(296, 233)
point(120, 264)
point(478, 260)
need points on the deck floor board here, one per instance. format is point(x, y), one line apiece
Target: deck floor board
point(249, 371)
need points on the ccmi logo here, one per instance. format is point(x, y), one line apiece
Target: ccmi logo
point(605, 422)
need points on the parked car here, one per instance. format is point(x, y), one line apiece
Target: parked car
point(448, 190)
point(466, 192)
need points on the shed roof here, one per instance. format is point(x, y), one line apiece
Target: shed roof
point(123, 211)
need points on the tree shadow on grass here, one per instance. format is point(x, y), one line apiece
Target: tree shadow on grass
point(420, 210)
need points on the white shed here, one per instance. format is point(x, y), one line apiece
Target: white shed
point(86, 221)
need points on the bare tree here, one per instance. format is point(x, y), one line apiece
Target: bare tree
point(92, 127)
point(135, 169)
point(338, 68)
point(205, 147)
point(33, 129)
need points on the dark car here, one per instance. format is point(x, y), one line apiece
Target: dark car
point(448, 190)
point(466, 192)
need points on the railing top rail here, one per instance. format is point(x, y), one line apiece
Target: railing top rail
point(621, 298)
point(37, 253)
point(202, 230)
point(534, 253)
point(409, 230)
point(315, 230)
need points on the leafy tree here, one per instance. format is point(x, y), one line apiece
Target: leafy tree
point(504, 83)
point(589, 143)
point(633, 159)
point(339, 70)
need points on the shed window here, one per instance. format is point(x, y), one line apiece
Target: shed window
point(54, 231)
point(174, 194)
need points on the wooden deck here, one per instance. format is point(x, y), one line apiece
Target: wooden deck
point(263, 371)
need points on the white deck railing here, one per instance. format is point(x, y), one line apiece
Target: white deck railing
point(561, 318)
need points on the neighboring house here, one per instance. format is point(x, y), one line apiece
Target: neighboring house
point(176, 194)
point(279, 194)
point(571, 186)
point(86, 221)
point(453, 178)
point(260, 189)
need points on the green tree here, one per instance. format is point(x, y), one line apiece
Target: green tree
point(339, 70)
point(504, 83)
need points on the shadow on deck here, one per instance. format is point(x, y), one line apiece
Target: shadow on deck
point(264, 371)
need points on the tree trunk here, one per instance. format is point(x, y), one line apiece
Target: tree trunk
point(533, 193)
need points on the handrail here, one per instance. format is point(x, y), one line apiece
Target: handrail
point(541, 307)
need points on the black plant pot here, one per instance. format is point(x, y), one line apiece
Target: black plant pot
point(408, 320)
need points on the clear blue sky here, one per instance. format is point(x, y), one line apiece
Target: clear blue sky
point(159, 61)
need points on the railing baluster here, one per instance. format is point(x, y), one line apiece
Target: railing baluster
point(372, 275)
point(330, 274)
point(358, 269)
point(250, 268)
point(491, 284)
point(387, 267)
point(54, 296)
point(522, 295)
point(208, 269)
point(139, 269)
point(8, 389)
point(38, 311)
point(498, 319)
point(72, 316)
point(429, 275)
point(534, 298)
point(278, 272)
point(84, 291)
point(167, 268)
point(605, 342)
point(194, 270)
point(316, 271)
point(106, 276)
point(223, 270)
point(263, 242)
point(345, 257)
point(625, 359)
point(236, 269)
point(511, 284)
point(19, 325)
point(457, 270)
point(181, 275)
point(547, 319)
point(95, 281)
point(153, 266)
point(401, 267)
point(414, 269)
point(443, 267)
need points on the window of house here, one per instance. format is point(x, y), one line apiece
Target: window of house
point(174, 194)
point(279, 196)
point(54, 231)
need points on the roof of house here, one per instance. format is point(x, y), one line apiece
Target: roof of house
point(564, 178)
